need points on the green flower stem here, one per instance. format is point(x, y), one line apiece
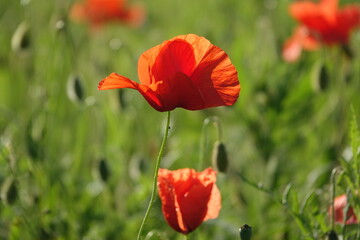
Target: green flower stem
point(259, 187)
point(186, 237)
point(333, 185)
point(204, 142)
point(157, 165)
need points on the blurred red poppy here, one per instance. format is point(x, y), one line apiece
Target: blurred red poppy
point(339, 205)
point(188, 197)
point(186, 71)
point(98, 12)
point(302, 39)
point(320, 23)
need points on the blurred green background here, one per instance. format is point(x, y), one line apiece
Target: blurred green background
point(77, 163)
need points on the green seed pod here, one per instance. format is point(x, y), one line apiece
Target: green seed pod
point(20, 40)
point(33, 138)
point(9, 192)
point(75, 89)
point(219, 157)
point(137, 166)
point(121, 98)
point(320, 78)
point(103, 170)
point(332, 235)
point(245, 232)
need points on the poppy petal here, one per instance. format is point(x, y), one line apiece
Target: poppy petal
point(200, 45)
point(188, 197)
point(316, 16)
point(216, 78)
point(194, 204)
point(78, 12)
point(348, 18)
point(214, 205)
point(115, 80)
point(291, 50)
point(214, 75)
point(177, 56)
point(98, 12)
point(340, 203)
point(179, 91)
point(135, 15)
point(145, 62)
point(167, 196)
point(301, 39)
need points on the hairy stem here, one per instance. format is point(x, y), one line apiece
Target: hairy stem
point(157, 165)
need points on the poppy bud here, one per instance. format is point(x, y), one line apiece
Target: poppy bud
point(34, 135)
point(75, 89)
point(245, 232)
point(121, 98)
point(103, 170)
point(219, 157)
point(9, 192)
point(137, 166)
point(320, 79)
point(20, 40)
point(332, 235)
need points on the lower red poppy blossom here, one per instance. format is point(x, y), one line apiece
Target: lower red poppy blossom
point(186, 71)
point(340, 203)
point(188, 197)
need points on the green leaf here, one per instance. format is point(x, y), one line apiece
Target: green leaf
point(354, 136)
point(292, 200)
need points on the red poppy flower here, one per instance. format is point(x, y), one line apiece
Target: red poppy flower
point(186, 71)
point(339, 205)
point(98, 12)
point(188, 197)
point(320, 23)
point(301, 39)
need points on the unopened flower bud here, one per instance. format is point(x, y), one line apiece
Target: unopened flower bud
point(332, 235)
point(20, 40)
point(245, 232)
point(219, 157)
point(75, 89)
point(103, 170)
point(320, 79)
point(9, 192)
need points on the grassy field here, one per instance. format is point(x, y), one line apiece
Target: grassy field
point(77, 163)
